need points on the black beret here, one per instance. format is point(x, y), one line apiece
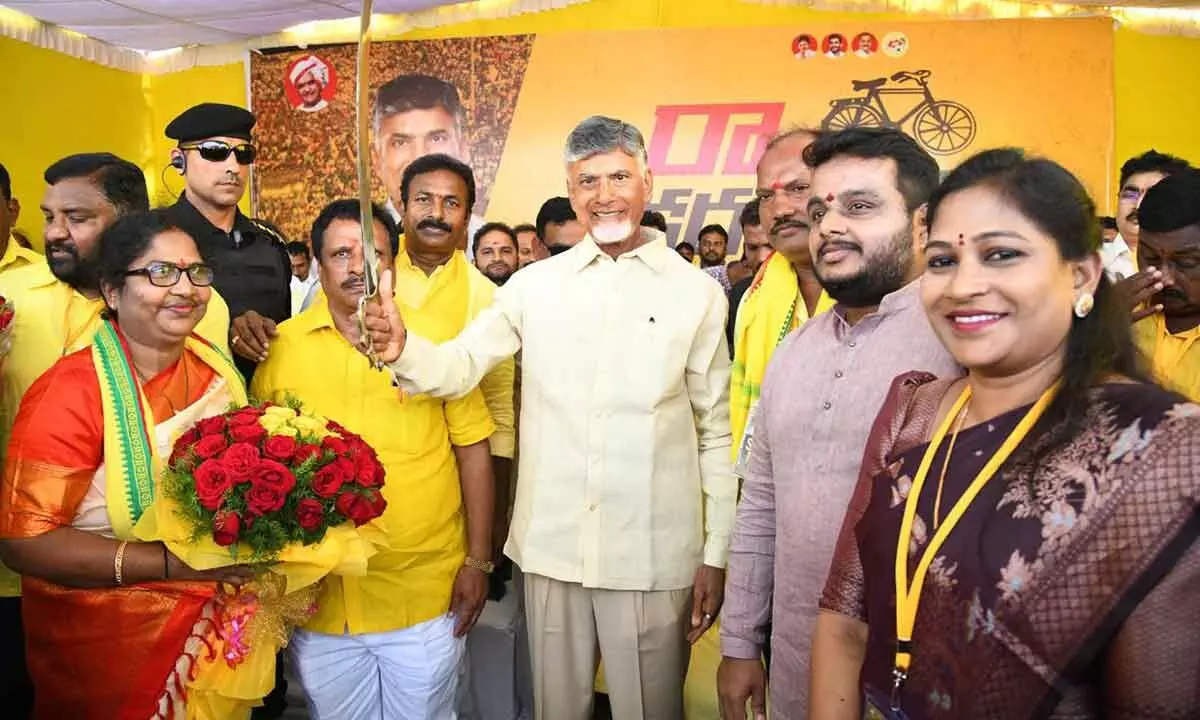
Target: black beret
point(1172, 204)
point(208, 120)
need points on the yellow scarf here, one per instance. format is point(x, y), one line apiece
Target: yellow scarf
point(131, 457)
point(436, 306)
point(771, 309)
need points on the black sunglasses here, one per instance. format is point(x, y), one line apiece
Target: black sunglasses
point(165, 274)
point(217, 151)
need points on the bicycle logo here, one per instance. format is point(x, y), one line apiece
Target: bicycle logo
point(944, 127)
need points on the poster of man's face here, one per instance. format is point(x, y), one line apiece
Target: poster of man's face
point(415, 115)
point(309, 84)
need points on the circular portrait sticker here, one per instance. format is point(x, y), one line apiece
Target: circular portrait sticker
point(895, 44)
point(309, 83)
point(864, 45)
point(834, 45)
point(804, 46)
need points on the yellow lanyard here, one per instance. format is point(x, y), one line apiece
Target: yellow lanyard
point(908, 597)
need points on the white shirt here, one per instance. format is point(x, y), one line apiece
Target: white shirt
point(302, 290)
point(1117, 259)
point(624, 478)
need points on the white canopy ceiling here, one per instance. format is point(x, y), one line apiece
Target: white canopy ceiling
point(162, 24)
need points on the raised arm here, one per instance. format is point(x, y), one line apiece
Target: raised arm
point(452, 369)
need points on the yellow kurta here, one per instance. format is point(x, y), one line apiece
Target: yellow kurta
point(18, 257)
point(411, 581)
point(53, 320)
point(447, 301)
point(1174, 357)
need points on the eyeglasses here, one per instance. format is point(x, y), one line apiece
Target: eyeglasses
point(165, 274)
point(217, 151)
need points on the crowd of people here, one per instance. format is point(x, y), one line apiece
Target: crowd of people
point(599, 453)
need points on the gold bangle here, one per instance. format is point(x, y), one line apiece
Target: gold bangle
point(481, 565)
point(119, 562)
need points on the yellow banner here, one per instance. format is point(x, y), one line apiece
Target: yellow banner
point(706, 100)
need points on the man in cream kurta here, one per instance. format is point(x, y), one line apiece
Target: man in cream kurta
point(625, 495)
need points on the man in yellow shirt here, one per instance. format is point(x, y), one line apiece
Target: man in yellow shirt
point(58, 308)
point(388, 644)
point(12, 255)
point(1169, 245)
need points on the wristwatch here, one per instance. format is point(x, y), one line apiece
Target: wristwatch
point(483, 566)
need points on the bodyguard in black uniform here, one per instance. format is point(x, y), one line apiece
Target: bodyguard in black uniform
point(252, 269)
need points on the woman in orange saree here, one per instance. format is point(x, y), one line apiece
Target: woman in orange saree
point(113, 625)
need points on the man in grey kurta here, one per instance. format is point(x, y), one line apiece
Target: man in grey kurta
point(820, 396)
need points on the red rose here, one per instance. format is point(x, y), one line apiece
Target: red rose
point(245, 416)
point(261, 499)
point(306, 452)
point(335, 444)
point(356, 508)
point(212, 482)
point(337, 428)
point(378, 504)
point(210, 446)
point(211, 426)
point(241, 461)
point(310, 514)
point(252, 434)
point(227, 527)
point(329, 479)
point(274, 476)
point(280, 447)
point(183, 445)
point(367, 471)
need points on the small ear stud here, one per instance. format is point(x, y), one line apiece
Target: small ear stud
point(1084, 304)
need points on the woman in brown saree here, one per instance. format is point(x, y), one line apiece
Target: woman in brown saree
point(1022, 543)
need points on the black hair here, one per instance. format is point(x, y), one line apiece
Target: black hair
point(298, 248)
point(417, 92)
point(493, 227)
point(684, 243)
point(555, 211)
point(433, 163)
point(713, 229)
point(122, 182)
point(1054, 200)
point(1152, 161)
point(525, 227)
point(916, 170)
point(654, 219)
point(348, 209)
point(1172, 204)
point(749, 216)
point(1107, 222)
point(126, 240)
point(5, 183)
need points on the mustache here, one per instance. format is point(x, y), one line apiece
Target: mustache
point(788, 221)
point(65, 246)
point(838, 245)
point(1173, 294)
point(434, 224)
point(352, 280)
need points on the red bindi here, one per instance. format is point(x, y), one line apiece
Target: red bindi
point(961, 242)
point(778, 185)
point(829, 197)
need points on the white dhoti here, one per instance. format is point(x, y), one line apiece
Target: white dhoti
point(410, 673)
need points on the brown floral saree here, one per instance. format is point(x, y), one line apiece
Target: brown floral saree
point(1068, 590)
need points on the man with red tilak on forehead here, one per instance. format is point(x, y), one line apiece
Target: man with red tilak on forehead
point(822, 390)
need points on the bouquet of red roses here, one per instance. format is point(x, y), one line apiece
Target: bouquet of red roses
point(269, 476)
point(264, 483)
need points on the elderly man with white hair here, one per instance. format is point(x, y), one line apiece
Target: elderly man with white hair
point(625, 495)
point(310, 77)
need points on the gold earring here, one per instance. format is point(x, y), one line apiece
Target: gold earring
point(1084, 304)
